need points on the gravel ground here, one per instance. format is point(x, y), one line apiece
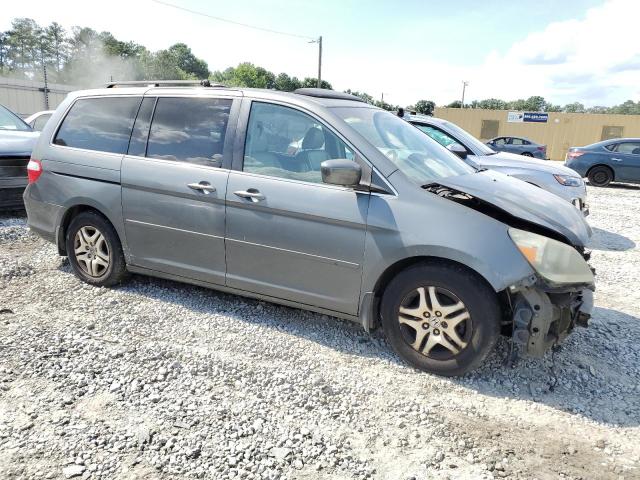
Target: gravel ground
point(156, 379)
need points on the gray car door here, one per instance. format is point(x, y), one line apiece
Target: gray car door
point(288, 234)
point(174, 181)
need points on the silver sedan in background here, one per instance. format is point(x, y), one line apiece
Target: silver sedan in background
point(550, 176)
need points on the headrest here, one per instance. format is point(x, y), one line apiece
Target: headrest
point(313, 139)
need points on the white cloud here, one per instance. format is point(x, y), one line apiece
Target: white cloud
point(594, 60)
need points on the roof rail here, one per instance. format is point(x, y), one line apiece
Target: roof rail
point(158, 83)
point(325, 93)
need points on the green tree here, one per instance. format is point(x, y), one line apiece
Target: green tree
point(455, 104)
point(245, 75)
point(575, 107)
point(186, 61)
point(286, 83)
point(310, 82)
point(24, 46)
point(425, 107)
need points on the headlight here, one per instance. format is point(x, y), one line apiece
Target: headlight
point(554, 261)
point(568, 181)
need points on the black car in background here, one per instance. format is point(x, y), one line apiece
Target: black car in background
point(616, 160)
point(17, 139)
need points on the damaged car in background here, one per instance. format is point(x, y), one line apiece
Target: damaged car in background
point(316, 200)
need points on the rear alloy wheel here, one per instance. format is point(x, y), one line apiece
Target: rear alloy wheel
point(600, 176)
point(440, 318)
point(94, 250)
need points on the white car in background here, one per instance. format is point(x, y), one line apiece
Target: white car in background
point(39, 119)
point(550, 176)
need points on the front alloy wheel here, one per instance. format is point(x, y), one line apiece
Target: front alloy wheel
point(441, 317)
point(435, 322)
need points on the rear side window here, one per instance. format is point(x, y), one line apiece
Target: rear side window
point(41, 121)
point(189, 129)
point(102, 124)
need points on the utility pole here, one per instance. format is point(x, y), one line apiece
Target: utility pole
point(320, 61)
point(44, 74)
point(465, 83)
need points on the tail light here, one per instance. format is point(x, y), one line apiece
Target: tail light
point(574, 154)
point(34, 170)
point(543, 148)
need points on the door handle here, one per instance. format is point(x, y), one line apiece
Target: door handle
point(252, 194)
point(204, 187)
point(616, 159)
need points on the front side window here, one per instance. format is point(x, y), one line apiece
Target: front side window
point(189, 129)
point(102, 124)
point(287, 143)
point(9, 121)
point(417, 155)
point(629, 147)
point(438, 135)
point(500, 141)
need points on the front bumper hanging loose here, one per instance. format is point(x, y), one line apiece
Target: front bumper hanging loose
point(542, 319)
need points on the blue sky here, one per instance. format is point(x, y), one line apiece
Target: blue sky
point(407, 50)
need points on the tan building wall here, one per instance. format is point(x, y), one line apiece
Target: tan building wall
point(561, 131)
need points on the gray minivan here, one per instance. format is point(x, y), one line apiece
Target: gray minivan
point(311, 199)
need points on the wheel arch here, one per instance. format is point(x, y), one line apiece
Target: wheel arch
point(371, 305)
point(69, 214)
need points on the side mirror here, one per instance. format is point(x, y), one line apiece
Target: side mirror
point(341, 172)
point(458, 149)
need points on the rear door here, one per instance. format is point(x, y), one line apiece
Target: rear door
point(626, 161)
point(174, 181)
point(518, 145)
point(289, 235)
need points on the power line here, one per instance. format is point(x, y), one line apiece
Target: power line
point(233, 21)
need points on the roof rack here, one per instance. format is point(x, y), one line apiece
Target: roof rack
point(158, 83)
point(324, 93)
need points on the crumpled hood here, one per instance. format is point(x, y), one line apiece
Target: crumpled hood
point(511, 160)
point(524, 201)
point(17, 143)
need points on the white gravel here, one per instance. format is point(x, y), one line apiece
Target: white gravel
point(156, 379)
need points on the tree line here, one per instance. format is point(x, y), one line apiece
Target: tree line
point(84, 57)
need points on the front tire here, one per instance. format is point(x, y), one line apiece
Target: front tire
point(441, 319)
point(600, 176)
point(94, 250)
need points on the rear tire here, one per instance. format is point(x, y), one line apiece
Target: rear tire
point(428, 309)
point(94, 250)
point(600, 176)
point(527, 154)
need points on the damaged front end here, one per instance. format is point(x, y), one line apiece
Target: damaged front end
point(543, 317)
point(545, 307)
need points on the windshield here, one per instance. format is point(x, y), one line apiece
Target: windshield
point(415, 154)
point(10, 121)
point(468, 140)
